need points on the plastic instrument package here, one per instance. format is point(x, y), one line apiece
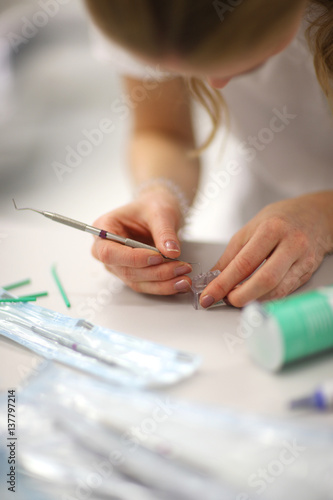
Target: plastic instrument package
point(79, 437)
point(114, 356)
point(199, 283)
point(78, 434)
point(25, 488)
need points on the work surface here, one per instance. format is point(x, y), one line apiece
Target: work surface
point(227, 377)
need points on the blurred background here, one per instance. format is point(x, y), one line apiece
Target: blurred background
point(53, 94)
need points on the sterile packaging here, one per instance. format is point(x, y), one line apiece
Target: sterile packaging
point(80, 437)
point(103, 352)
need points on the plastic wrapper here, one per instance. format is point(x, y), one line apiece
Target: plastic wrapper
point(117, 357)
point(25, 487)
point(81, 438)
point(199, 283)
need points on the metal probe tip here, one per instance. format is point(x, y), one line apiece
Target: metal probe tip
point(26, 208)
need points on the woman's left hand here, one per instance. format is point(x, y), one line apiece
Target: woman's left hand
point(293, 237)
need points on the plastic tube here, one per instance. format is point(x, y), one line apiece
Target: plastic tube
point(285, 330)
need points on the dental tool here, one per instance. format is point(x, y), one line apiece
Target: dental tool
point(94, 230)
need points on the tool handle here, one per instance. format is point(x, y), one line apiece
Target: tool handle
point(138, 244)
point(66, 220)
point(98, 232)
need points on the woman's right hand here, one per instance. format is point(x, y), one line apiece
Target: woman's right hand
point(153, 218)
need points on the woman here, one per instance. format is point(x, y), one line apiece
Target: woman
point(257, 50)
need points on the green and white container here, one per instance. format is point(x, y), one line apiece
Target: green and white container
point(285, 330)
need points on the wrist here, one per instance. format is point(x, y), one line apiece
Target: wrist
point(168, 189)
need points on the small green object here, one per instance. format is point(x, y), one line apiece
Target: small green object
point(21, 299)
point(17, 284)
point(34, 295)
point(59, 285)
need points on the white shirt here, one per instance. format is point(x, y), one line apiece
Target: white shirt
point(280, 116)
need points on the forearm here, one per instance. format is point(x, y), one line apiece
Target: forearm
point(157, 155)
point(162, 136)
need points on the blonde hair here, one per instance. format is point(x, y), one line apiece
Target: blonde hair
point(202, 31)
point(320, 38)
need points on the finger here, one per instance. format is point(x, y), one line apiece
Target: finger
point(282, 273)
point(245, 262)
point(171, 287)
point(269, 277)
point(163, 226)
point(297, 276)
point(163, 272)
point(111, 253)
point(181, 284)
point(233, 248)
point(286, 287)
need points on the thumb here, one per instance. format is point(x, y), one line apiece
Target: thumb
point(163, 227)
point(234, 246)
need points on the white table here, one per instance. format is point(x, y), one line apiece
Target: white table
point(227, 377)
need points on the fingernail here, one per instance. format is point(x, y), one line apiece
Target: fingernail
point(172, 246)
point(185, 269)
point(182, 286)
point(207, 301)
point(154, 260)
